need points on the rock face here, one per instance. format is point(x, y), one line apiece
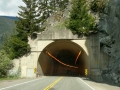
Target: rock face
point(109, 26)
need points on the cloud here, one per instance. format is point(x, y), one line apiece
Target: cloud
point(10, 7)
point(1, 2)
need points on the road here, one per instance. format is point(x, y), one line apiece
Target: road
point(51, 83)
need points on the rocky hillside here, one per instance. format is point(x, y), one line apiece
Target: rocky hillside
point(109, 26)
point(7, 24)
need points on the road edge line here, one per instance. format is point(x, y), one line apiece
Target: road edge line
point(87, 84)
point(21, 83)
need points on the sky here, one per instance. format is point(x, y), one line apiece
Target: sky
point(10, 7)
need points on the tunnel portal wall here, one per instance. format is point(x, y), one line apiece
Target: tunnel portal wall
point(89, 45)
point(91, 49)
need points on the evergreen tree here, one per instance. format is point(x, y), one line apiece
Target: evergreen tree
point(28, 19)
point(61, 4)
point(31, 19)
point(26, 25)
point(81, 21)
point(14, 47)
point(34, 14)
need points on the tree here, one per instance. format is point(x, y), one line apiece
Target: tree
point(81, 21)
point(18, 47)
point(34, 14)
point(26, 25)
point(5, 64)
point(28, 19)
point(14, 47)
point(31, 19)
point(98, 6)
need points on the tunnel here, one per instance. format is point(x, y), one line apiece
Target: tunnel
point(62, 58)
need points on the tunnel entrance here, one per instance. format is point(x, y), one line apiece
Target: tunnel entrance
point(62, 57)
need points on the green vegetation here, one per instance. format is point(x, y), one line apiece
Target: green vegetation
point(7, 26)
point(60, 25)
point(15, 47)
point(30, 20)
point(98, 5)
point(81, 21)
point(9, 78)
point(5, 64)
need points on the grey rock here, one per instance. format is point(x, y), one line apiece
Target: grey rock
point(119, 79)
point(115, 78)
point(105, 40)
point(119, 67)
point(116, 82)
point(109, 25)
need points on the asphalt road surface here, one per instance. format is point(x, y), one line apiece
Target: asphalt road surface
point(51, 83)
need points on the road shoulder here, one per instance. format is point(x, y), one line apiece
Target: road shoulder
point(100, 86)
point(7, 83)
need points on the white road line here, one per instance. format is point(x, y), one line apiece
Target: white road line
point(87, 84)
point(21, 83)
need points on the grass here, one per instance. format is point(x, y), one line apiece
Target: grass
point(60, 25)
point(9, 78)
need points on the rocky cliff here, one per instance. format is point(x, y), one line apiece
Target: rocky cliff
point(109, 26)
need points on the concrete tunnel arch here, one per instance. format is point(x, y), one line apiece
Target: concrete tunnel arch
point(66, 51)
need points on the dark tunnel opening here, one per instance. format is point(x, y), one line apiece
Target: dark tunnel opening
point(62, 59)
point(66, 56)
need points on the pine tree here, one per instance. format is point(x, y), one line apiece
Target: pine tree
point(81, 21)
point(31, 19)
point(26, 25)
point(28, 19)
point(34, 14)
